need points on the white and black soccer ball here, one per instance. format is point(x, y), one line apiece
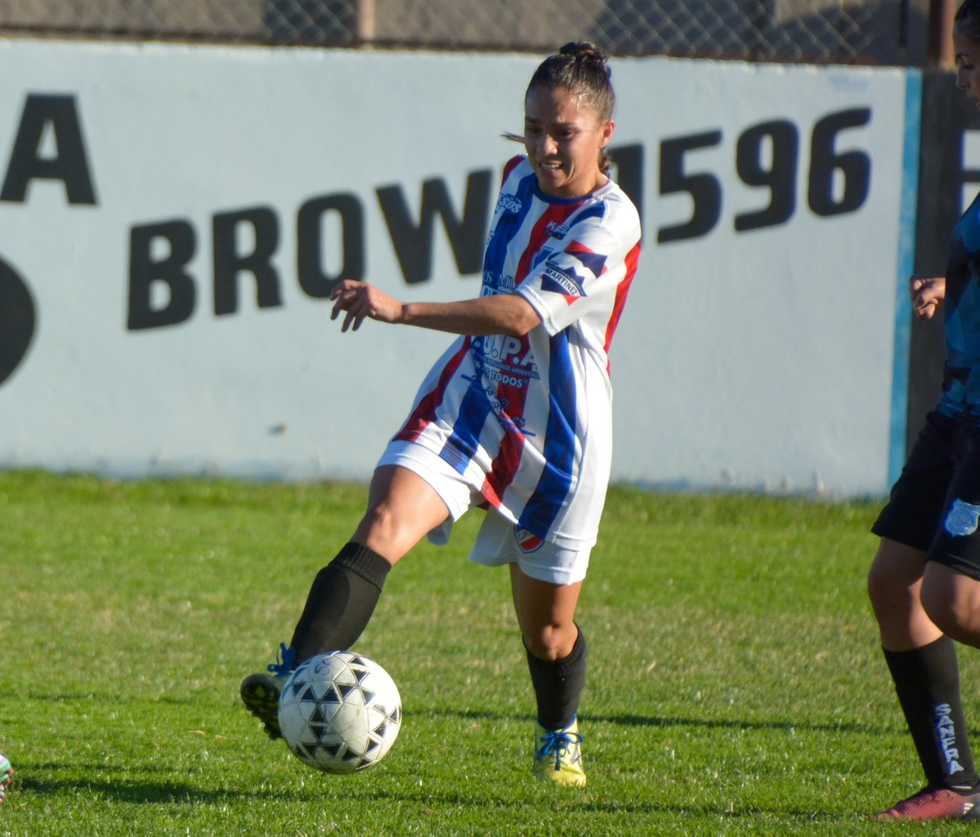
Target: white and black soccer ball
point(340, 712)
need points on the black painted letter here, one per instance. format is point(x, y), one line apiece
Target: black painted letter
point(145, 270)
point(413, 242)
point(69, 165)
point(229, 262)
point(314, 281)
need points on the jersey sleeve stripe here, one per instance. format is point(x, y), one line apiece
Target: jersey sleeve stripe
point(510, 165)
point(622, 290)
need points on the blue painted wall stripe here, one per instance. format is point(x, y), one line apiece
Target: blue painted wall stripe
point(905, 267)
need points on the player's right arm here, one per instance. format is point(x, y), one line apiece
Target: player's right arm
point(928, 293)
point(500, 314)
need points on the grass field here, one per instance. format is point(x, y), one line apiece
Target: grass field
point(735, 683)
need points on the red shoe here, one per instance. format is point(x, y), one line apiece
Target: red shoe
point(935, 804)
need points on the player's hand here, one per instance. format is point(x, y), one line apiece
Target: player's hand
point(928, 293)
point(359, 301)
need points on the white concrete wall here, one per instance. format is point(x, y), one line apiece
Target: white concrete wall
point(759, 358)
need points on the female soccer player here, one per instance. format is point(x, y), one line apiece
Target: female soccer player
point(924, 583)
point(516, 415)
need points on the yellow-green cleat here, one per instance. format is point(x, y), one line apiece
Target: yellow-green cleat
point(558, 756)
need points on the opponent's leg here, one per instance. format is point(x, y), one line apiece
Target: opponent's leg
point(922, 662)
point(952, 601)
point(894, 587)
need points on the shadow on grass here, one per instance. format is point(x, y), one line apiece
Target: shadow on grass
point(664, 723)
point(146, 792)
point(734, 723)
point(588, 803)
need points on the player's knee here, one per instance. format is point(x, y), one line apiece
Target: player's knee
point(885, 589)
point(875, 586)
point(377, 527)
point(893, 581)
point(551, 642)
point(943, 613)
point(956, 615)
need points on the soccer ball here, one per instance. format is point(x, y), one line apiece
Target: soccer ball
point(340, 712)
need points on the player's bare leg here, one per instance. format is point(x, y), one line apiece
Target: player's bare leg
point(894, 587)
point(402, 508)
point(556, 656)
point(906, 591)
point(952, 601)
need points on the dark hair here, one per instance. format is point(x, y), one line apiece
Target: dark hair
point(581, 67)
point(967, 20)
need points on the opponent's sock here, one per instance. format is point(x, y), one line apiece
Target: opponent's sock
point(558, 685)
point(341, 602)
point(927, 682)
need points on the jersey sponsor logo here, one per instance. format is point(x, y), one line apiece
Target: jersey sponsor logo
point(509, 203)
point(566, 282)
point(527, 542)
point(507, 350)
point(962, 519)
point(504, 359)
point(495, 283)
point(554, 230)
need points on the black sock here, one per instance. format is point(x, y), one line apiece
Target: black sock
point(558, 685)
point(927, 682)
point(341, 602)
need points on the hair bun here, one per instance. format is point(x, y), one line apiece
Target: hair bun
point(583, 49)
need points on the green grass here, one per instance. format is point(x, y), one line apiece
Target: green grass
point(735, 682)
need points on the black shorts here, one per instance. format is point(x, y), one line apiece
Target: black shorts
point(935, 503)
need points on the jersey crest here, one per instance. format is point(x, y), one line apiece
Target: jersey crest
point(962, 519)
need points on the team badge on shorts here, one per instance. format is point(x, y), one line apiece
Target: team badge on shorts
point(526, 541)
point(962, 519)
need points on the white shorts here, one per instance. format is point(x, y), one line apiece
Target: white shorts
point(500, 541)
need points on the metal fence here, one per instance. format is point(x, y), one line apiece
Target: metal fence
point(818, 31)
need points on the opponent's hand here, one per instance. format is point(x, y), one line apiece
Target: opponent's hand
point(360, 300)
point(928, 293)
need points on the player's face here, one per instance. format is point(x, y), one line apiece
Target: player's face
point(563, 137)
point(967, 66)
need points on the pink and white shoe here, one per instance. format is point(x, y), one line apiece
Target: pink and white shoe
point(935, 804)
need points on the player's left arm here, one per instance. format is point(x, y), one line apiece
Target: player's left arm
point(501, 314)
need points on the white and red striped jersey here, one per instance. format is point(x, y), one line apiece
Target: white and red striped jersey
point(528, 420)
